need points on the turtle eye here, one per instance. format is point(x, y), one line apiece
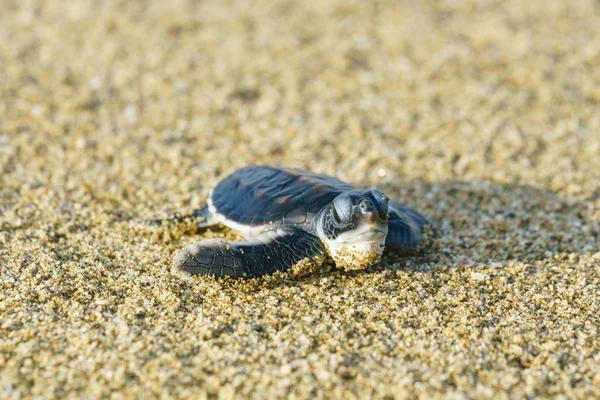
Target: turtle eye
point(342, 208)
point(382, 202)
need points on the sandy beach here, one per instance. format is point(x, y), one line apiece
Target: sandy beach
point(484, 116)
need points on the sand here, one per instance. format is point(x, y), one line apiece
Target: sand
point(484, 116)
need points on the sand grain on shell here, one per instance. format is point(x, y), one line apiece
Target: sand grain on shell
point(482, 116)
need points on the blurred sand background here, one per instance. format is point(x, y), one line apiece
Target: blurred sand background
point(485, 116)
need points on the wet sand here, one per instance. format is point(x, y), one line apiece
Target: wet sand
point(484, 117)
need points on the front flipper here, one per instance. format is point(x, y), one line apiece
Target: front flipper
point(276, 250)
point(404, 226)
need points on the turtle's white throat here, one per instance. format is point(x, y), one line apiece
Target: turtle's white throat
point(360, 248)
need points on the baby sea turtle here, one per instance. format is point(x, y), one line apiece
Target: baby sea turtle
point(291, 216)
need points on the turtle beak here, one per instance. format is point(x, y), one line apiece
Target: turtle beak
point(370, 214)
point(369, 211)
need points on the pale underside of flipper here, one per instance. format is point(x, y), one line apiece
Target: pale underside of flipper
point(276, 250)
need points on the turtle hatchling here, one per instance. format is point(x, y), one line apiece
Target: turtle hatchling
point(289, 216)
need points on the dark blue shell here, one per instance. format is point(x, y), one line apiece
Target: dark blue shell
point(258, 195)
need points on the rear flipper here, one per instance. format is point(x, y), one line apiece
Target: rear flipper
point(202, 217)
point(404, 227)
point(270, 252)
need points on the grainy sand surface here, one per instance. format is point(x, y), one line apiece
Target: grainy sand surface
point(482, 115)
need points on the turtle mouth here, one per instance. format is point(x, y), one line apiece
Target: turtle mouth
point(370, 233)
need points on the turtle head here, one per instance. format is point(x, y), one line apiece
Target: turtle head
point(354, 227)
